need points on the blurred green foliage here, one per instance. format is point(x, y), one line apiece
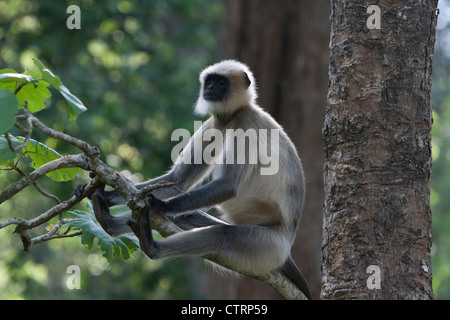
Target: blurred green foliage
point(134, 64)
point(440, 180)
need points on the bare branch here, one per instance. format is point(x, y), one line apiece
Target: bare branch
point(53, 233)
point(11, 222)
point(24, 225)
point(82, 145)
point(282, 284)
point(72, 161)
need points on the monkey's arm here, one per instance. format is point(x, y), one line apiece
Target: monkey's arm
point(221, 189)
point(195, 219)
point(184, 176)
point(185, 173)
point(213, 193)
point(113, 198)
point(113, 225)
point(116, 225)
point(206, 196)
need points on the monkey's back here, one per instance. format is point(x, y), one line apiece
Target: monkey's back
point(276, 199)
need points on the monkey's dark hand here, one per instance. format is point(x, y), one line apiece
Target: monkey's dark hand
point(158, 205)
point(79, 190)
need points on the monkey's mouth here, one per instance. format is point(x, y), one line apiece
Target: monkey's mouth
point(212, 97)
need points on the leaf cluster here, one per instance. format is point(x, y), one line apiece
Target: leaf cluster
point(30, 92)
point(136, 64)
point(21, 96)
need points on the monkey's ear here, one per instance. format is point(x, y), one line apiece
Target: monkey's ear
point(247, 80)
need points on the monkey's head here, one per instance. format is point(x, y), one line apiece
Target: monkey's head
point(225, 87)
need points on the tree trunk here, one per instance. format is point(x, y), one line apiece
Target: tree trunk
point(285, 43)
point(377, 132)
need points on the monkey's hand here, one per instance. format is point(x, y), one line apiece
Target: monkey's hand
point(158, 205)
point(143, 230)
point(79, 190)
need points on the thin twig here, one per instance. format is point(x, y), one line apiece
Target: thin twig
point(38, 187)
point(24, 225)
point(27, 131)
point(52, 234)
point(58, 236)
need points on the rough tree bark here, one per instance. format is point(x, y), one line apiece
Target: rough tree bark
point(286, 45)
point(377, 131)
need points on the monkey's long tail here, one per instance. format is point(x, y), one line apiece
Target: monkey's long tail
point(290, 270)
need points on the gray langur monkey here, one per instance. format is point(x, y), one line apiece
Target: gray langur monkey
point(260, 213)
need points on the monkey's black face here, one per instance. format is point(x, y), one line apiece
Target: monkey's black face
point(216, 87)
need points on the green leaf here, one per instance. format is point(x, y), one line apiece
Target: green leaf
point(41, 154)
point(123, 245)
point(2, 71)
point(12, 77)
point(35, 94)
point(6, 155)
point(74, 105)
point(34, 89)
point(47, 75)
point(8, 109)
point(38, 64)
point(10, 86)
